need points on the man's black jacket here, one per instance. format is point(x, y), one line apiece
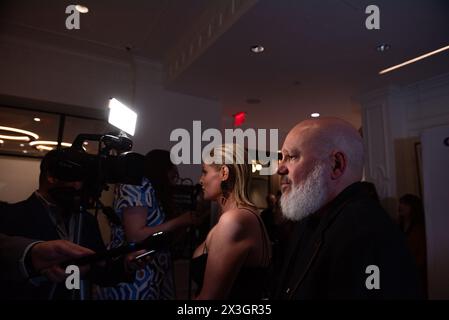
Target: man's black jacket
point(332, 250)
point(30, 219)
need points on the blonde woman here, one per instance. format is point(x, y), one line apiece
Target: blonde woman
point(232, 262)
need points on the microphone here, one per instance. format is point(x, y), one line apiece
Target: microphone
point(155, 242)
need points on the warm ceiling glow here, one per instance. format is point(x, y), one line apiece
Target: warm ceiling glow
point(1, 141)
point(22, 145)
point(37, 119)
point(27, 134)
point(81, 8)
point(44, 148)
point(315, 115)
point(49, 143)
point(414, 60)
point(17, 138)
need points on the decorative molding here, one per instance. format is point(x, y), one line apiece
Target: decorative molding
point(219, 18)
point(379, 157)
point(381, 180)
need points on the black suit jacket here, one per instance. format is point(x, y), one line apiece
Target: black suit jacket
point(30, 219)
point(331, 250)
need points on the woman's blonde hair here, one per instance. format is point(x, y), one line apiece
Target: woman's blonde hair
point(235, 158)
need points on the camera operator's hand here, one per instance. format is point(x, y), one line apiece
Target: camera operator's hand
point(45, 258)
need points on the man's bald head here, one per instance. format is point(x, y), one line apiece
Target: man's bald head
point(321, 157)
point(325, 135)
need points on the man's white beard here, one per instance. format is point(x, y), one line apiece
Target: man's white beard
point(306, 198)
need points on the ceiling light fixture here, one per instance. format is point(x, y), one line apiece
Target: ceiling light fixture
point(315, 115)
point(49, 143)
point(1, 141)
point(256, 166)
point(414, 60)
point(383, 47)
point(44, 148)
point(25, 137)
point(82, 9)
point(22, 145)
point(257, 49)
point(16, 138)
point(37, 119)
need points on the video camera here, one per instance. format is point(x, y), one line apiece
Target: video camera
point(114, 163)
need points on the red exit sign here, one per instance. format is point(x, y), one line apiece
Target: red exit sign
point(239, 119)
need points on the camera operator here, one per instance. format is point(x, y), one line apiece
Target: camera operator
point(53, 212)
point(145, 210)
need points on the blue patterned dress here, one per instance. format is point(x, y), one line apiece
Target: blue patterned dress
point(155, 281)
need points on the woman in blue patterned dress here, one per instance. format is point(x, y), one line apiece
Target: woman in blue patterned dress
point(143, 211)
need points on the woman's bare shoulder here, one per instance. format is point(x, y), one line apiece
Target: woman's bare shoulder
point(236, 215)
point(235, 221)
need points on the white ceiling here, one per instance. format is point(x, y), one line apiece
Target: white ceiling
point(324, 46)
point(318, 57)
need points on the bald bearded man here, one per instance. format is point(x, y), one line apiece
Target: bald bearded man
point(344, 246)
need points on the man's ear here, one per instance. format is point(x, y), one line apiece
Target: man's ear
point(224, 173)
point(339, 163)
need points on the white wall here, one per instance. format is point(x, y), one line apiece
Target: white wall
point(19, 177)
point(435, 156)
point(393, 120)
point(88, 79)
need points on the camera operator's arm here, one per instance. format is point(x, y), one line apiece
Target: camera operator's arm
point(11, 251)
point(22, 257)
point(135, 223)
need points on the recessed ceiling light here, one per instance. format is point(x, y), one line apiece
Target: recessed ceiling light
point(383, 47)
point(1, 141)
point(414, 60)
point(24, 151)
point(22, 145)
point(81, 8)
point(257, 49)
point(315, 115)
point(37, 119)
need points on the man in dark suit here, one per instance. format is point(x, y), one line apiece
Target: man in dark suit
point(344, 246)
point(52, 213)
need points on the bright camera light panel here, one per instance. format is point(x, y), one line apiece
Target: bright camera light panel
point(122, 117)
